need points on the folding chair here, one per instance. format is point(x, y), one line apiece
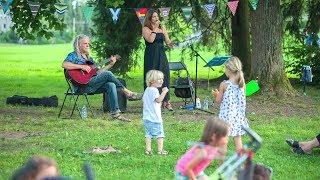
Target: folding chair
point(183, 86)
point(75, 96)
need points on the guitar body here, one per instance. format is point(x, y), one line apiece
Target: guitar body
point(80, 77)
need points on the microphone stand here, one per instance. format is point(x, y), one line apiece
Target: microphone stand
point(196, 80)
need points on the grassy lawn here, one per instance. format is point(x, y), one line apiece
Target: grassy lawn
point(35, 71)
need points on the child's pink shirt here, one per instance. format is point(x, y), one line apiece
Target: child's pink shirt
point(212, 152)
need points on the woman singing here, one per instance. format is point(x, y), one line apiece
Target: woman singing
point(154, 55)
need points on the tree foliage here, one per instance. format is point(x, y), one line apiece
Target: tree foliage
point(303, 21)
point(42, 25)
point(124, 37)
point(121, 38)
point(300, 16)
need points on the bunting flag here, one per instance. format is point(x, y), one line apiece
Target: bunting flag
point(5, 6)
point(254, 4)
point(164, 12)
point(60, 8)
point(187, 12)
point(210, 9)
point(115, 14)
point(141, 14)
point(87, 12)
point(34, 7)
point(74, 4)
point(233, 5)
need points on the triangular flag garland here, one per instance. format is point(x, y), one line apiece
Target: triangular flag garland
point(141, 14)
point(5, 6)
point(87, 12)
point(164, 12)
point(187, 12)
point(233, 5)
point(254, 4)
point(210, 9)
point(34, 7)
point(115, 14)
point(60, 8)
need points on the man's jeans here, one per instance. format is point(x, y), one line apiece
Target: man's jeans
point(106, 82)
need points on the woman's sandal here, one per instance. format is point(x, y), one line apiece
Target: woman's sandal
point(163, 153)
point(168, 106)
point(293, 143)
point(298, 151)
point(148, 152)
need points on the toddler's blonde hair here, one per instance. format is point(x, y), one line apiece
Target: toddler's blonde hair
point(234, 66)
point(153, 76)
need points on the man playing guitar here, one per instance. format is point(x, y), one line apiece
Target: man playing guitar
point(101, 82)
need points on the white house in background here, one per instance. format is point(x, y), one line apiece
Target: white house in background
point(5, 21)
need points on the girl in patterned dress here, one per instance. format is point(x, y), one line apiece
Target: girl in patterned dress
point(233, 102)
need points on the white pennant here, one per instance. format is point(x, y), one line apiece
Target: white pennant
point(210, 9)
point(34, 7)
point(115, 14)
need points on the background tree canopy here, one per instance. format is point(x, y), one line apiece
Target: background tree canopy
point(232, 32)
point(42, 25)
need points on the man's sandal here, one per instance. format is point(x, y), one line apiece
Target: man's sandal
point(134, 96)
point(120, 117)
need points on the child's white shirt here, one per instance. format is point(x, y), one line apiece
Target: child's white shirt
point(151, 108)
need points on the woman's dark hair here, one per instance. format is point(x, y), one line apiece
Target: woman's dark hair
point(214, 126)
point(147, 20)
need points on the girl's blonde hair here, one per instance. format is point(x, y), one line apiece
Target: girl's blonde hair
point(214, 126)
point(234, 66)
point(153, 76)
point(76, 43)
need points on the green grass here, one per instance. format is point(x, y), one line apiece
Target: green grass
point(35, 71)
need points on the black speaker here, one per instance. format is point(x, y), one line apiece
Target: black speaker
point(122, 99)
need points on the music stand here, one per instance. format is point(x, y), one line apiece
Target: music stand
point(216, 61)
point(194, 38)
point(193, 106)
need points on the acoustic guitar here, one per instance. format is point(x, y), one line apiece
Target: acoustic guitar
point(81, 77)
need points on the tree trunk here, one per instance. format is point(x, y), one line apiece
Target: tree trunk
point(241, 36)
point(267, 60)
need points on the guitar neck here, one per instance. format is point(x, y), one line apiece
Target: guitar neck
point(105, 61)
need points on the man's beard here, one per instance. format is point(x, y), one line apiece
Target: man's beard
point(86, 51)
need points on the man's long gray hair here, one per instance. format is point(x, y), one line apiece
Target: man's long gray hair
point(76, 43)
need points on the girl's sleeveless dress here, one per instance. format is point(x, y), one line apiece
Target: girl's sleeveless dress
point(233, 109)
